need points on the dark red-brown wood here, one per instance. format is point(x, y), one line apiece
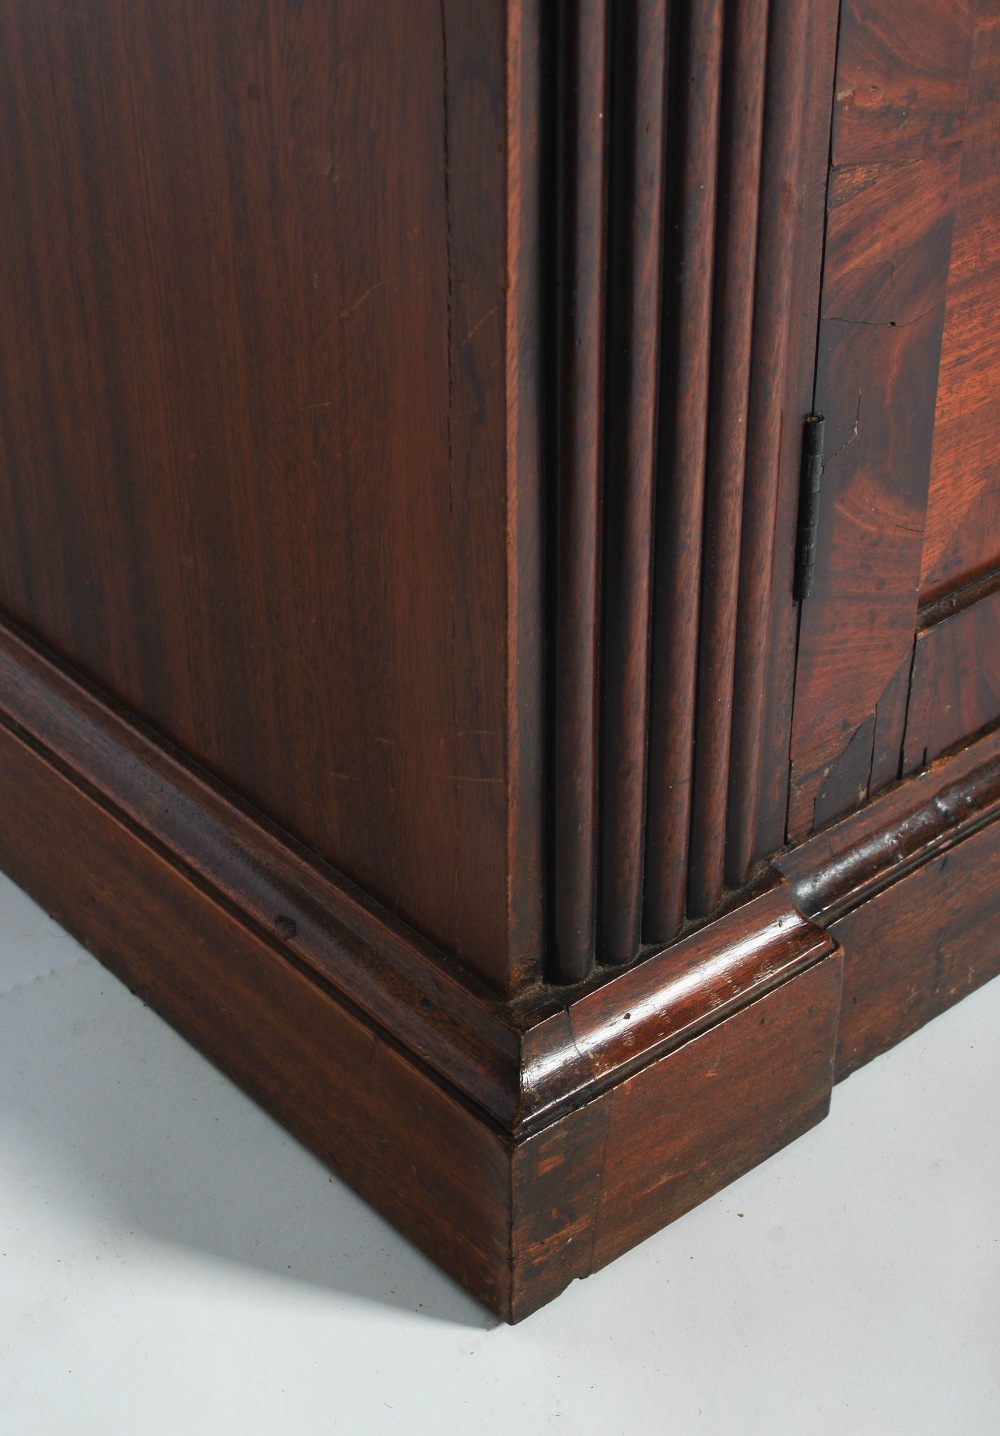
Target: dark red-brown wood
point(172, 884)
point(610, 1175)
point(641, 57)
point(580, 148)
point(525, 527)
point(252, 374)
point(732, 325)
point(399, 444)
point(800, 378)
point(962, 533)
point(694, 128)
point(908, 887)
point(902, 79)
point(955, 688)
point(784, 116)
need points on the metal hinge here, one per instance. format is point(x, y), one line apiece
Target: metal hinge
point(811, 472)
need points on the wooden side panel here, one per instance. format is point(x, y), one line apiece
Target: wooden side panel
point(897, 151)
point(658, 1143)
point(962, 537)
point(956, 681)
point(918, 948)
point(252, 410)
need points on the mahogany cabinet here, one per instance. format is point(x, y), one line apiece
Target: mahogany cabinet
point(500, 569)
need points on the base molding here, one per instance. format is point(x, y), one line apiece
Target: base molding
point(519, 1144)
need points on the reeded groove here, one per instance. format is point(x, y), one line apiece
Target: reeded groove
point(635, 226)
point(739, 187)
point(580, 147)
point(785, 89)
point(680, 495)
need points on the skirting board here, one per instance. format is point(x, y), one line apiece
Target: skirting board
point(519, 1144)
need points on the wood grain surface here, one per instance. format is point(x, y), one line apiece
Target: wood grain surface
point(688, 264)
point(900, 101)
point(581, 74)
point(777, 294)
point(625, 1105)
point(814, 160)
point(640, 43)
point(962, 533)
point(955, 690)
point(154, 871)
point(909, 888)
point(918, 948)
point(261, 277)
point(742, 122)
point(419, 1155)
point(611, 1174)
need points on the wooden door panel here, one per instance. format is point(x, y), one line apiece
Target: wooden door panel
point(962, 538)
point(900, 99)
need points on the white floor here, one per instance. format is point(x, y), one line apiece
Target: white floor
point(172, 1262)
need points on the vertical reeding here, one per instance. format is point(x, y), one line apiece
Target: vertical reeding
point(635, 209)
point(525, 526)
point(582, 48)
point(786, 72)
point(680, 496)
point(744, 59)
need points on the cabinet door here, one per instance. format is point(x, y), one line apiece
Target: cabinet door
point(898, 653)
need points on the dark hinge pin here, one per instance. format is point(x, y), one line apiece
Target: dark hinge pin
point(805, 540)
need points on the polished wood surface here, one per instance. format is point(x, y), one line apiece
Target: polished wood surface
point(403, 681)
point(776, 297)
point(263, 410)
point(684, 406)
point(732, 320)
point(908, 887)
point(892, 193)
point(955, 689)
point(410, 1147)
point(798, 401)
point(640, 42)
point(962, 533)
point(611, 1174)
point(580, 144)
point(394, 1072)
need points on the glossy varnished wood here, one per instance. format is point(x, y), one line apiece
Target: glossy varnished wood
point(732, 324)
point(908, 887)
point(784, 117)
point(174, 886)
point(955, 688)
point(520, 1144)
point(263, 273)
point(889, 230)
point(411, 1149)
point(635, 265)
point(799, 386)
point(580, 141)
point(399, 466)
point(611, 1174)
point(962, 533)
point(694, 119)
